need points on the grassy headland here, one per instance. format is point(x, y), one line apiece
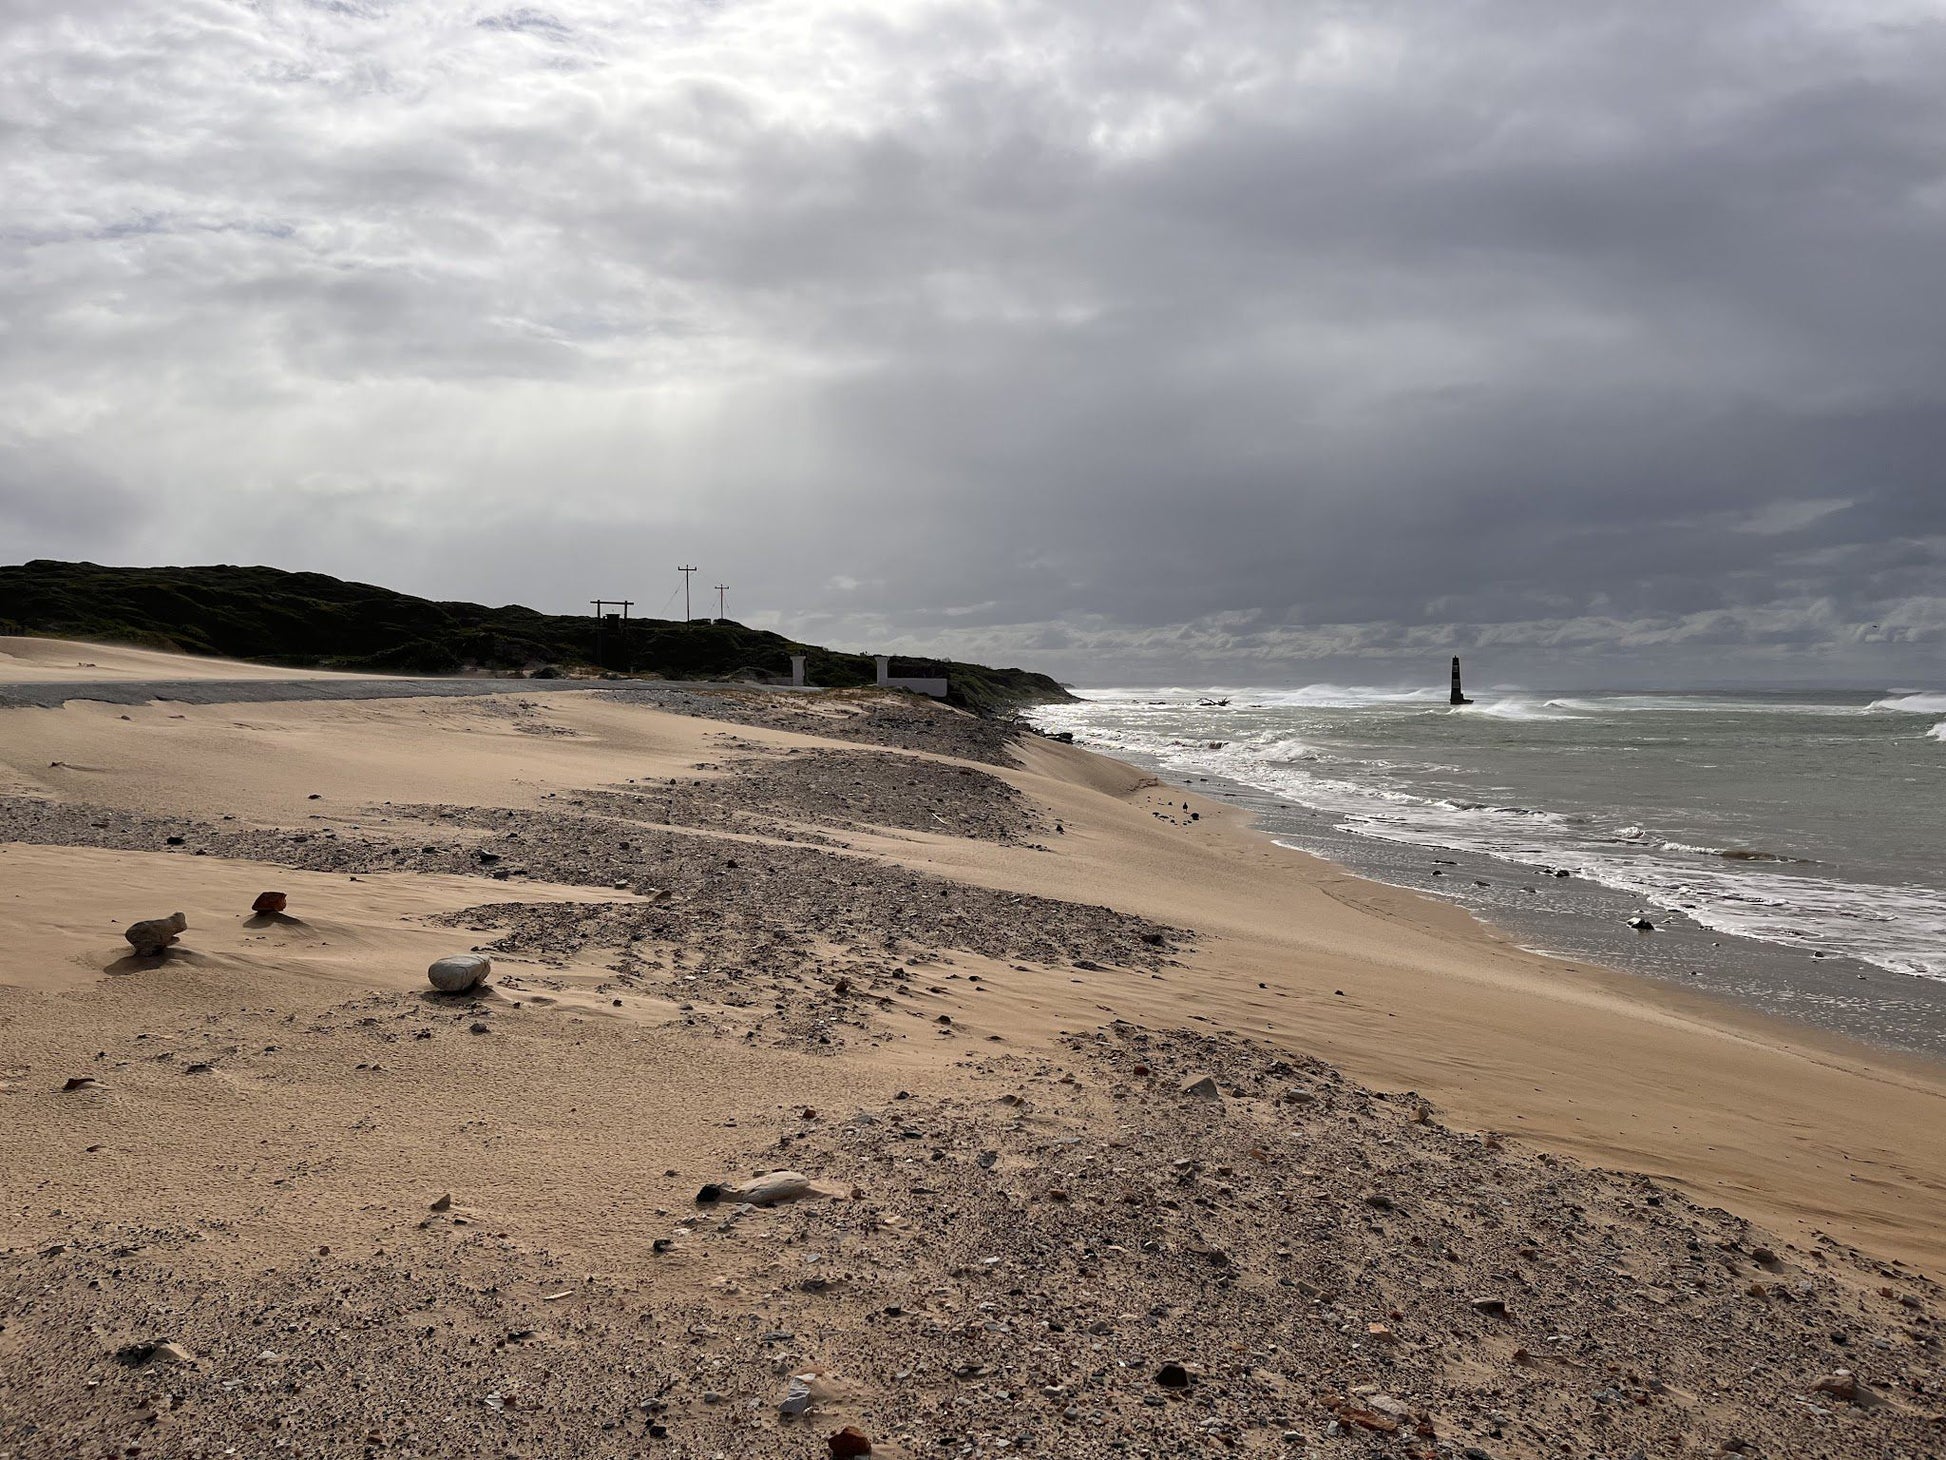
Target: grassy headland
point(311, 620)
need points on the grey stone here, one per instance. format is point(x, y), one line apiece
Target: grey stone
point(459, 973)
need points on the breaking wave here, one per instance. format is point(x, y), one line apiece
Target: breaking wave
point(1912, 704)
point(1345, 697)
point(1516, 708)
point(1733, 854)
point(1691, 704)
point(1365, 758)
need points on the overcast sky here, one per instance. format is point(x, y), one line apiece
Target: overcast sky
point(1209, 342)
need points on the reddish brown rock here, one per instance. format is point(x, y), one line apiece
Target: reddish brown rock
point(849, 1441)
point(269, 902)
point(153, 935)
point(1843, 1384)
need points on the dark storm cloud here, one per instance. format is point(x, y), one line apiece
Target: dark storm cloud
point(1137, 341)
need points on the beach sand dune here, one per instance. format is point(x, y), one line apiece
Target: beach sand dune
point(30, 660)
point(1126, 1128)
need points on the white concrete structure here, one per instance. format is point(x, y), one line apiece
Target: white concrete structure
point(797, 671)
point(934, 687)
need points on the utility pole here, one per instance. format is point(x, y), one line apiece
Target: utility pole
point(685, 571)
point(721, 611)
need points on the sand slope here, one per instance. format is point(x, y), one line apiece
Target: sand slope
point(1402, 991)
point(1800, 1129)
point(726, 947)
point(29, 660)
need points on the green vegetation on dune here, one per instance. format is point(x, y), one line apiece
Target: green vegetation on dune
point(311, 620)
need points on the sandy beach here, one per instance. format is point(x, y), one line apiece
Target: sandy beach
point(1090, 1081)
point(29, 660)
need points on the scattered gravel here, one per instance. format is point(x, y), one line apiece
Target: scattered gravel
point(1147, 1244)
point(750, 907)
point(873, 717)
point(840, 789)
point(1072, 1258)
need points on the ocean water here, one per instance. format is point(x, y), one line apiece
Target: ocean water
point(1790, 847)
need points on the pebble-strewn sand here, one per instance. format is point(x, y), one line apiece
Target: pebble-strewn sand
point(1090, 1090)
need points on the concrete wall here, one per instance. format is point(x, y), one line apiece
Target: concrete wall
point(934, 687)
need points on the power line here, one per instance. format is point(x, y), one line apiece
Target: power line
point(721, 610)
point(685, 571)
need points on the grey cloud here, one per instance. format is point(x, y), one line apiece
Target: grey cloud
point(59, 503)
point(1136, 339)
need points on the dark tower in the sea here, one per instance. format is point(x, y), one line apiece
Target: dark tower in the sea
point(1458, 698)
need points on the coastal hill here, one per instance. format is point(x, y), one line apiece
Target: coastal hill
point(312, 620)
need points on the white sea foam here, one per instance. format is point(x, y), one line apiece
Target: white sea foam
point(1913, 704)
point(1520, 708)
point(1345, 696)
point(1260, 741)
point(1289, 748)
point(1733, 854)
point(1679, 704)
point(1900, 929)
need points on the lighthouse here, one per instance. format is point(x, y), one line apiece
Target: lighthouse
point(1458, 698)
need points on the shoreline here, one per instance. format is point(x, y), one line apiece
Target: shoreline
point(1404, 991)
point(973, 985)
point(1902, 1015)
point(1378, 978)
point(1617, 1049)
point(1552, 901)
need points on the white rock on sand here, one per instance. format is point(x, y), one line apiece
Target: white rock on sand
point(762, 1191)
point(462, 971)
